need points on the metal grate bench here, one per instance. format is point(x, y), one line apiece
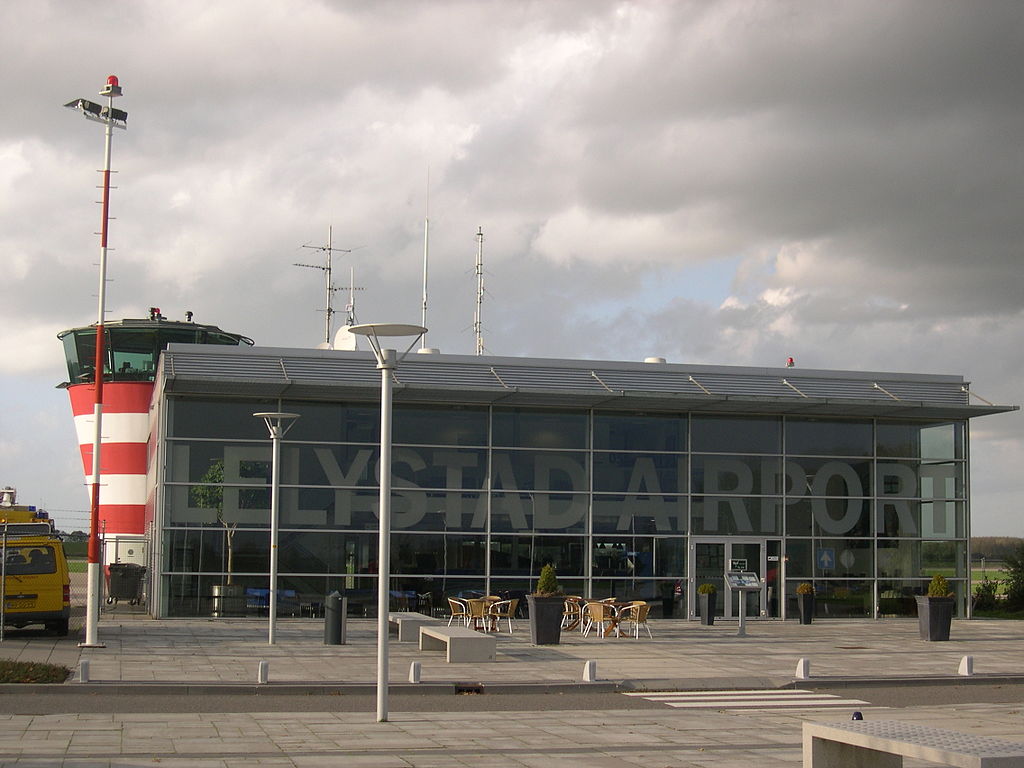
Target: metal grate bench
point(884, 744)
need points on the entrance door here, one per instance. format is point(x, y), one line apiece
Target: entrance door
point(711, 558)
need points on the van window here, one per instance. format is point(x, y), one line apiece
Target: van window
point(30, 561)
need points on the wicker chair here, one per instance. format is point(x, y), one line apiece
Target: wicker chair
point(600, 614)
point(459, 611)
point(636, 615)
point(503, 609)
point(572, 613)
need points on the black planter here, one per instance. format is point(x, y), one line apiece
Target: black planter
point(545, 619)
point(934, 615)
point(806, 603)
point(707, 607)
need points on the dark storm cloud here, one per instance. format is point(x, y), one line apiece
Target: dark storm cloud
point(845, 175)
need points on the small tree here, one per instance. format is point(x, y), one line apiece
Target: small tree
point(1013, 568)
point(547, 583)
point(938, 586)
point(985, 595)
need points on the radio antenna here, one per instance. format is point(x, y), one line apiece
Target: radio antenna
point(478, 326)
point(328, 250)
point(426, 257)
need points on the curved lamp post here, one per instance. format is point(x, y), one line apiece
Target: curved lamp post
point(278, 423)
point(387, 361)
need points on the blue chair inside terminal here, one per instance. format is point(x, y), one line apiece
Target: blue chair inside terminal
point(258, 601)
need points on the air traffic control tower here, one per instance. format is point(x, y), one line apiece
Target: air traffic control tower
point(132, 353)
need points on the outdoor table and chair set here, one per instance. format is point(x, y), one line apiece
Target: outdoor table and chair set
point(606, 618)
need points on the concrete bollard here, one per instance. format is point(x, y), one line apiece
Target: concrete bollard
point(414, 672)
point(83, 671)
point(263, 672)
point(590, 672)
point(803, 669)
point(966, 666)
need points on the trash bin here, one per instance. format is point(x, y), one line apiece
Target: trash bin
point(227, 600)
point(335, 610)
point(125, 583)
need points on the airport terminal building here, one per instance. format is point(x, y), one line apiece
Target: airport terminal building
point(636, 480)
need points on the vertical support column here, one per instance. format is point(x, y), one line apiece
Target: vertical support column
point(387, 364)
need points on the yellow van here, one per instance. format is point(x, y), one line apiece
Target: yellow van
point(36, 584)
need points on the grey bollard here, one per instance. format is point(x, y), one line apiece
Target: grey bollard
point(335, 618)
point(590, 671)
point(83, 671)
point(263, 672)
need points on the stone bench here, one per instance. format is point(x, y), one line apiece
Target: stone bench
point(884, 744)
point(407, 624)
point(460, 643)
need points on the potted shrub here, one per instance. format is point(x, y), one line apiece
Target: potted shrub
point(935, 610)
point(706, 595)
point(546, 605)
point(805, 601)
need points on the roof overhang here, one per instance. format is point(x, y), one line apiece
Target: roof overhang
point(464, 380)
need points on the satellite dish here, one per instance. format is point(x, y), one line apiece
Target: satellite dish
point(345, 339)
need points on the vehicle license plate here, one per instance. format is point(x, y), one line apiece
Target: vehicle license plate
point(16, 604)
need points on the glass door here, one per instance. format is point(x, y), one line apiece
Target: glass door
point(708, 563)
point(711, 558)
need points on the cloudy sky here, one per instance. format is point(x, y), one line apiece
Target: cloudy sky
point(725, 183)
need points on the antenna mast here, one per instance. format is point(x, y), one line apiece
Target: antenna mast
point(426, 256)
point(345, 339)
point(478, 327)
point(328, 281)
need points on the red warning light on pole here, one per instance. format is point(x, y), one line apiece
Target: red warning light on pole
point(112, 88)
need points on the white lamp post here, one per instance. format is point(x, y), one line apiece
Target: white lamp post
point(111, 118)
point(278, 424)
point(387, 361)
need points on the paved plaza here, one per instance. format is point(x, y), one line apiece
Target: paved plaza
point(201, 655)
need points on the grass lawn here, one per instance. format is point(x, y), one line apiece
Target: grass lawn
point(32, 672)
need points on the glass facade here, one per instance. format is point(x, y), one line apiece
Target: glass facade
point(484, 496)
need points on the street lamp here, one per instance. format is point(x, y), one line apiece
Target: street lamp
point(278, 424)
point(111, 118)
point(387, 361)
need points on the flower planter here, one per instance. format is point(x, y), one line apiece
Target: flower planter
point(806, 604)
point(545, 619)
point(934, 616)
point(707, 607)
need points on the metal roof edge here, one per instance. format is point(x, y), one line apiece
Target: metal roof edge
point(577, 363)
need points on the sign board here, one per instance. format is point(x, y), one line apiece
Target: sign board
point(826, 558)
point(738, 564)
point(743, 580)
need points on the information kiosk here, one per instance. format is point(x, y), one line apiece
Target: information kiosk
point(743, 581)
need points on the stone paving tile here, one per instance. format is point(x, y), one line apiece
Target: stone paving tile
point(228, 650)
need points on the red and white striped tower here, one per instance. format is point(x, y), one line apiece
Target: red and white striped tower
point(122, 506)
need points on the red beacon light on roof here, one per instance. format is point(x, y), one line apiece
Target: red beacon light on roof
point(790, 362)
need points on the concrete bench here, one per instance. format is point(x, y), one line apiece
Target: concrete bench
point(884, 744)
point(407, 624)
point(460, 643)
